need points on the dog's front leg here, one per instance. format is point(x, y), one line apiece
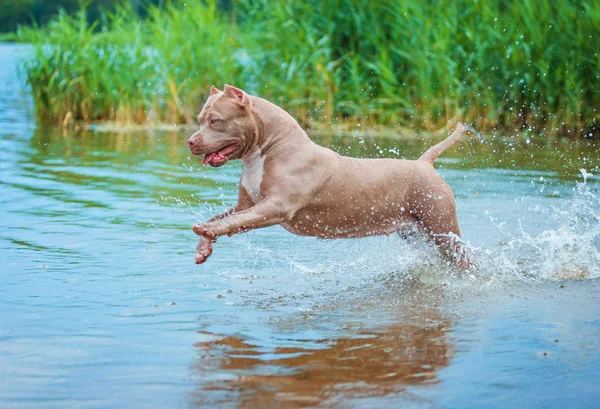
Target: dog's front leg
point(268, 212)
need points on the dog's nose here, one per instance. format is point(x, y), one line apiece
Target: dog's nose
point(191, 142)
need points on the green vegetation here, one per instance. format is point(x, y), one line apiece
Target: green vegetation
point(132, 69)
point(529, 64)
point(7, 37)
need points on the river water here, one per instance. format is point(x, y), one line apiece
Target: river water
point(101, 305)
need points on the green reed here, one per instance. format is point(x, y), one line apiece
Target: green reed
point(126, 69)
point(515, 65)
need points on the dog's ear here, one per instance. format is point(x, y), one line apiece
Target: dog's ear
point(213, 90)
point(237, 94)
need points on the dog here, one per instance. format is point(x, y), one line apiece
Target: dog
point(310, 190)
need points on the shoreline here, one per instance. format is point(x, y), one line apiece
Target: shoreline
point(356, 130)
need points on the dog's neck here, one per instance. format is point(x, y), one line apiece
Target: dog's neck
point(275, 128)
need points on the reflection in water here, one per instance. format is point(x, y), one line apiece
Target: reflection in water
point(373, 363)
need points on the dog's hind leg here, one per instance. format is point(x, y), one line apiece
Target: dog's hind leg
point(437, 217)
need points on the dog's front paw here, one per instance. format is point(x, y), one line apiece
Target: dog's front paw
point(203, 230)
point(203, 251)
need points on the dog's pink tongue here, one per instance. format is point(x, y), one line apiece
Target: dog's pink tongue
point(213, 158)
point(219, 157)
point(207, 158)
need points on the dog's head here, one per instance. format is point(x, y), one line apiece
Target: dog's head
point(227, 127)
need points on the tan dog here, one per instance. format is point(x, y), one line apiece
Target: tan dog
point(310, 190)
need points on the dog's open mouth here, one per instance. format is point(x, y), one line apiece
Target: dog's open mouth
point(218, 158)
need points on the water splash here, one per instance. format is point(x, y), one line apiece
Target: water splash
point(570, 251)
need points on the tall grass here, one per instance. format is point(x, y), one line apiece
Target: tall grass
point(126, 69)
point(529, 64)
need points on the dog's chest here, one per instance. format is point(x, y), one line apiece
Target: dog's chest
point(253, 175)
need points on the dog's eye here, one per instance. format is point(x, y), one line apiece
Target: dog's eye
point(214, 121)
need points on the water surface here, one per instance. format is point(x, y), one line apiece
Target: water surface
point(102, 306)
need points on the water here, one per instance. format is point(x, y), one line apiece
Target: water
point(102, 306)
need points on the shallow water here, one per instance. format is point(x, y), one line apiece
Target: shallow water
point(102, 306)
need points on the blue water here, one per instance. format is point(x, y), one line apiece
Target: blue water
point(101, 305)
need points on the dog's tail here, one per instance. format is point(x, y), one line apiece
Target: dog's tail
point(432, 153)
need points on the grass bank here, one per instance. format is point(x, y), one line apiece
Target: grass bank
point(7, 37)
point(516, 65)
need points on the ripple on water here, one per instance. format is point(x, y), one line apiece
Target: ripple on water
point(102, 305)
